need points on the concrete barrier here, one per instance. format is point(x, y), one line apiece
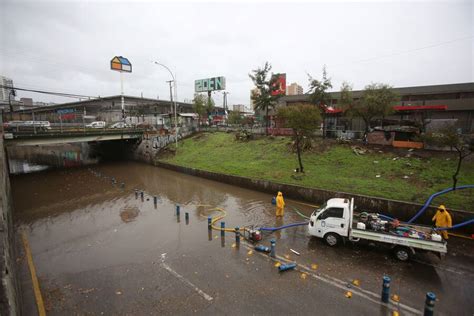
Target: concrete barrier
point(9, 288)
point(398, 209)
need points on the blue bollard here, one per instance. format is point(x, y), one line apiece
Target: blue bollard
point(209, 222)
point(222, 228)
point(178, 208)
point(262, 248)
point(237, 235)
point(429, 304)
point(386, 289)
point(272, 248)
point(288, 266)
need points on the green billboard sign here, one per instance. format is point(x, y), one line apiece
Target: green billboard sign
point(210, 84)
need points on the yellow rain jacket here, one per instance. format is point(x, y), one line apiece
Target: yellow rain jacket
point(443, 219)
point(280, 204)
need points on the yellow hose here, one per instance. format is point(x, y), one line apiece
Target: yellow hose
point(217, 218)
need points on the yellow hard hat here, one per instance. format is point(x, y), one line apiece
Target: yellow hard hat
point(442, 207)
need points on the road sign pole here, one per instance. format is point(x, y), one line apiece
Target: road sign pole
point(121, 97)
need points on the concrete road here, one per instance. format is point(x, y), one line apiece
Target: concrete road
point(100, 250)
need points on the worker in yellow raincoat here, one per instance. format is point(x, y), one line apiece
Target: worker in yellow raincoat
point(442, 219)
point(280, 203)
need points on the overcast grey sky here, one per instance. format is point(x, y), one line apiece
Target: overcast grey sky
point(67, 46)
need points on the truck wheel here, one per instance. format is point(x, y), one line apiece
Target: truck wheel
point(332, 239)
point(402, 253)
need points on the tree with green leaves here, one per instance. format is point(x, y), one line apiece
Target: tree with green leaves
point(319, 95)
point(304, 120)
point(448, 136)
point(377, 100)
point(264, 99)
point(202, 105)
point(235, 118)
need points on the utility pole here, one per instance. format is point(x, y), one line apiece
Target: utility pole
point(171, 100)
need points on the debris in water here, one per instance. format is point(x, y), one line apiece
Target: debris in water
point(356, 282)
point(348, 294)
point(295, 252)
point(314, 266)
point(129, 214)
point(118, 292)
point(287, 257)
point(396, 298)
point(303, 276)
point(378, 176)
point(250, 252)
point(277, 264)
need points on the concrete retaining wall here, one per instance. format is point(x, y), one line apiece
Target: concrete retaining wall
point(9, 297)
point(152, 142)
point(398, 209)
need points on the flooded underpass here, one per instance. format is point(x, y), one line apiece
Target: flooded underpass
point(99, 248)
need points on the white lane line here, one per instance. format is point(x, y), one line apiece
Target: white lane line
point(343, 285)
point(206, 296)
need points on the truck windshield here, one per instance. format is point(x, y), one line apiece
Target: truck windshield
point(316, 211)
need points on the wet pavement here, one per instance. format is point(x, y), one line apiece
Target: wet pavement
point(101, 250)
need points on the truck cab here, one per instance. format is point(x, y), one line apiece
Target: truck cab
point(332, 221)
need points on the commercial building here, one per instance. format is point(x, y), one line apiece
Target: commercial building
point(239, 107)
point(6, 84)
point(294, 89)
point(426, 105)
point(108, 109)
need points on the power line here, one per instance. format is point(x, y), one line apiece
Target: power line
point(406, 51)
point(61, 94)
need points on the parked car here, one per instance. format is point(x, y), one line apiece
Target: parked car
point(96, 124)
point(120, 125)
point(26, 126)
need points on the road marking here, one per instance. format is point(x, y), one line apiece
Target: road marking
point(206, 296)
point(34, 279)
point(343, 285)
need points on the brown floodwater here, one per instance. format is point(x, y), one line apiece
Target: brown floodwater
point(84, 227)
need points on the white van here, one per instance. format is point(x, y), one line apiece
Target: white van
point(96, 124)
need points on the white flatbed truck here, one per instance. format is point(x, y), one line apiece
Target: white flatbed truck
point(334, 222)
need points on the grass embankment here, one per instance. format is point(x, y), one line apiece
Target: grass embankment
point(332, 167)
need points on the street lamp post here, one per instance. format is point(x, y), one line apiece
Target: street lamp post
point(171, 99)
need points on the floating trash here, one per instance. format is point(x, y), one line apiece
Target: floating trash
point(348, 294)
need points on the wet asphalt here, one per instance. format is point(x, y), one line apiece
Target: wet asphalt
point(101, 250)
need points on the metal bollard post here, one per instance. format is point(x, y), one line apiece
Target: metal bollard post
point(155, 200)
point(209, 222)
point(237, 235)
point(142, 194)
point(222, 228)
point(178, 208)
point(136, 193)
point(186, 217)
point(386, 289)
point(272, 248)
point(429, 304)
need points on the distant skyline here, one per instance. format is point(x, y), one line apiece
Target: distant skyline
point(67, 46)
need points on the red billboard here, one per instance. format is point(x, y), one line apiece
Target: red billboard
point(279, 84)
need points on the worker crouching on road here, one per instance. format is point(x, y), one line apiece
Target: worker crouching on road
point(442, 219)
point(280, 205)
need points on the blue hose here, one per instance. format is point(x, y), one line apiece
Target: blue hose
point(273, 229)
point(428, 202)
point(471, 221)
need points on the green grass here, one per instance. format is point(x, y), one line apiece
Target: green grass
point(336, 168)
